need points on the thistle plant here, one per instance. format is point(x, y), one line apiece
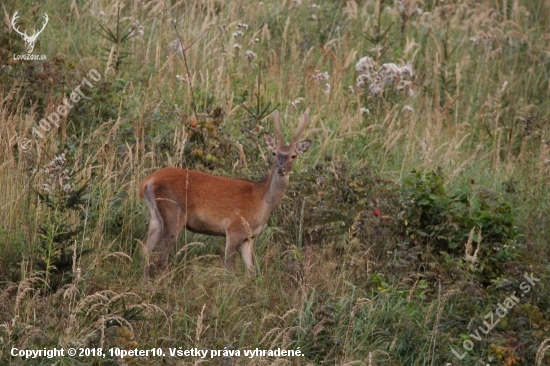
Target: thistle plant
point(54, 255)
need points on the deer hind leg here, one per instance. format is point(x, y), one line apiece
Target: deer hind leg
point(173, 222)
point(156, 225)
point(163, 228)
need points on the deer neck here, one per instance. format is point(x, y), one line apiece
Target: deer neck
point(274, 189)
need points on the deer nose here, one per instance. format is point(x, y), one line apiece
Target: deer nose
point(281, 169)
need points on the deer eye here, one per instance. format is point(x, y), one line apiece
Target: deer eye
point(294, 156)
point(274, 153)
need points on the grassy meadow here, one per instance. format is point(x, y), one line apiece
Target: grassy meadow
point(414, 230)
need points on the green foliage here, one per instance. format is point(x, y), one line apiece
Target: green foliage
point(114, 54)
point(318, 337)
point(353, 267)
point(209, 146)
point(444, 221)
point(56, 249)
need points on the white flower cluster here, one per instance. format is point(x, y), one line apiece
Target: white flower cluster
point(408, 7)
point(241, 27)
point(319, 76)
point(183, 79)
point(136, 32)
point(176, 46)
point(486, 39)
point(97, 12)
point(250, 55)
point(375, 80)
point(57, 175)
point(296, 102)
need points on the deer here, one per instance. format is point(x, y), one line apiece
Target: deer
point(29, 40)
point(203, 203)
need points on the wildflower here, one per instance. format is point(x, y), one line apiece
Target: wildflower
point(237, 46)
point(376, 80)
point(403, 85)
point(250, 55)
point(327, 88)
point(57, 175)
point(408, 108)
point(376, 89)
point(406, 70)
point(296, 102)
point(364, 111)
point(389, 72)
point(363, 80)
point(137, 31)
point(183, 79)
point(176, 46)
point(319, 76)
point(365, 65)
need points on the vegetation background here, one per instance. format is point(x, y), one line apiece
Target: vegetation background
point(420, 206)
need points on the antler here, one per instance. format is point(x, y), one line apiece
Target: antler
point(278, 134)
point(46, 18)
point(301, 126)
point(13, 19)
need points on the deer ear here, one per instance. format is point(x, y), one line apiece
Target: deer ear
point(302, 146)
point(270, 142)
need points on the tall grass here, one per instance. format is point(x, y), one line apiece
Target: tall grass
point(342, 283)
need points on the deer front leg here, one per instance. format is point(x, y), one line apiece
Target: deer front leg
point(235, 235)
point(231, 245)
point(247, 252)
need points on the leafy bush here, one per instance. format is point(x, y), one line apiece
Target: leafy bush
point(444, 221)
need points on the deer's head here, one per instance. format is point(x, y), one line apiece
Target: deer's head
point(284, 155)
point(29, 40)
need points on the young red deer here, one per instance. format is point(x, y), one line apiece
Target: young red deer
point(235, 208)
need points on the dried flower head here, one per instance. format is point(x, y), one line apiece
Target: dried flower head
point(183, 79)
point(57, 175)
point(376, 80)
point(242, 26)
point(296, 102)
point(176, 46)
point(137, 31)
point(250, 55)
point(364, 111)
point(319, 76)
point(365, 65)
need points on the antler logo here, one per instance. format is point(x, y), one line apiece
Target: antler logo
point(29, 40)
